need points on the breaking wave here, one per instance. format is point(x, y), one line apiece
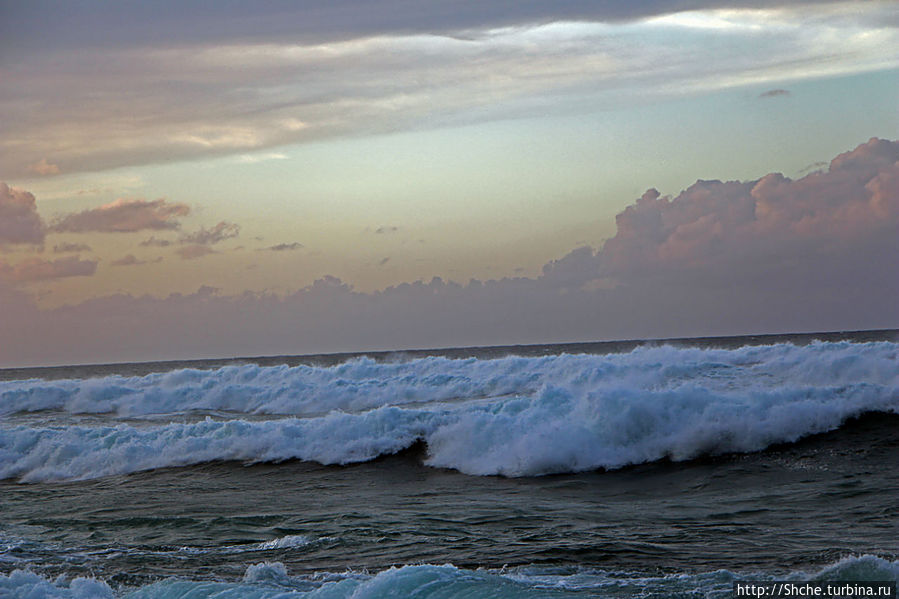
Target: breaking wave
point(511, 416)
point(269, 580)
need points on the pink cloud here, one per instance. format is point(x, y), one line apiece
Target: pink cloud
point(37, 269)
point(125, 216)
point(42, 167)
point(19, 220)
point(714, 222)
point(721, 258)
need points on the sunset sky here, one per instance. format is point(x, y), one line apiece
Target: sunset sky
point(187, 180)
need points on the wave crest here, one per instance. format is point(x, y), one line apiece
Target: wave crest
point(520, 417)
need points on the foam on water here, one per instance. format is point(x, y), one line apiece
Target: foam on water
point(362, 383)
point(272, 580)
point(534, 416)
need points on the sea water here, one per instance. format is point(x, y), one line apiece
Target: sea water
point(609, 470)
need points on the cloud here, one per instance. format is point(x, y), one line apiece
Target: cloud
point(62, 248)
point(714, 226)
point(257, 158)
point(124, 216)
point(131, 260)
point(720, 258)
point(42, 167)
point(815, 166)
point(178, 23)
point(157, 243)
point(19, 220)
point(775, 93)
point(264, 89)
point(37, 269)
point(285, 247)
point(190, 252)
point(220, 232)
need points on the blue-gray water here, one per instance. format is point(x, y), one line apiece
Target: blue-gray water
point(633, 469)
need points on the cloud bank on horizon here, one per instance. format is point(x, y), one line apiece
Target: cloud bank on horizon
point(769, 255)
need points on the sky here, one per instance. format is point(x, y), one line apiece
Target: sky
point(186, 180)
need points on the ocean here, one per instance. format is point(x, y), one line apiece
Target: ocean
point(630, 469)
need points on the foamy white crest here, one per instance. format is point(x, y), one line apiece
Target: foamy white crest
point(285, 542)
point(547, 415)
point(271, 580)
point(362, 383)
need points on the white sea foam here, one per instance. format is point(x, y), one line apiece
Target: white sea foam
point(285, 542)
point(362, 383)
point(271, 579)
point(542, 415)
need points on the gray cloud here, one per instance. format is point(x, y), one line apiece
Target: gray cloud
point(120, 25)
point(775, 93)
point(220, 232)
point(284, 247)
point(131, 260)
point(156, 243)
point(249, 85)
point(62, 248)
point(770, 255)
point(124, 216)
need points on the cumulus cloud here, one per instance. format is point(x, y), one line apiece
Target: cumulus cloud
point(715, 225)
point(37, 269)
point(63, 248)
point(285, 247)
point(19, 220)
point(191, 252)
point(124, 216)
point(220, 232)
point(720, 258)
